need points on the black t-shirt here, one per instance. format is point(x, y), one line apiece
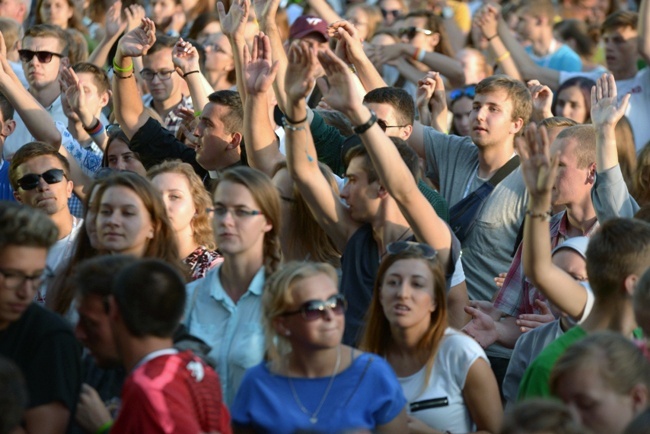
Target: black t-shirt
point(43, 346)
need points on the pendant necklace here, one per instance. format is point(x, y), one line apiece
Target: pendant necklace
point(313, 417)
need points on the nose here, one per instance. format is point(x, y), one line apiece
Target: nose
point(42, 185)
point(345, 193)
point(402, 290)
point(120, 164)
point(198, 130)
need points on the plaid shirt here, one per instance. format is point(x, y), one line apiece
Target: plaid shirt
point(171, 121)
point(517, 295)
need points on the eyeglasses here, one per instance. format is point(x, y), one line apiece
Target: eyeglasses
point(410, 32)
point(31, 180)
point(468, 91)
point(425, 250)
point(13, 280)
point(42, 56)
point(148, 74)
point(239, 213)
point(383, 126)
point(394, 13)
point(314, 309)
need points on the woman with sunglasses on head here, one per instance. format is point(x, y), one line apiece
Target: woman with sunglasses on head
point(224, 308)
point(310, 381)
point(187, 202)
point(445, 375)
point(460, 105)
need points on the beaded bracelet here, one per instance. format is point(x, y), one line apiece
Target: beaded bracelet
point(286, 124)
point(544, 216)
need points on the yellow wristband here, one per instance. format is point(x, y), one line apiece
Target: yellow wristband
point(122, 70)
point(503, 57)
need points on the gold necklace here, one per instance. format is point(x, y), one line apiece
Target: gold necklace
point(313, 417)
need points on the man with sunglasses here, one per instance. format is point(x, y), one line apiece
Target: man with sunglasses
point(167, 89)
point(40, 342)
point(44, 50)
point(40, 177)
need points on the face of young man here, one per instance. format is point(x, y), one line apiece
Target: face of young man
point(20, 269)
point(94, 331)
point(162, 89)
point(361, 196)
point(620, 50)
point(387, 115)
point(491, 119)
point(41, 75)
point(572, 184)
point(214, 140)
point(51, 198)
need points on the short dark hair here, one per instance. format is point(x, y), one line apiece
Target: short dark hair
point(397, 98)
point(32, 150)
point(233, 120)
point(150, 295)
point(620, 247)
point(99, 75)
point(620, 19)
point(21, 225)
point(49, 31)
point(407, 153)
point(95, 276)
point(162, 41)
point(6, 108)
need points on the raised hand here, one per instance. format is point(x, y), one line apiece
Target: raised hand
point(342, 94)
point(537, 166)
point(259, 68)
point(137, 42)
point(178, 20)
point(301, 71)
point(73, 90)
point(349, 47)
point(542, 100)
point(606, 109)
point(437, 100)
point(113, 23)
point(185, 56)
point(233, 24)
point(265, 10)
point(134, 15)
point(487, 20)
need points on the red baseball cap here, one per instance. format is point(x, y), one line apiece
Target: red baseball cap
point(306, 25)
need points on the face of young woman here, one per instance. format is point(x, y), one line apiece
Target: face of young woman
point(601, 409)
point(56, 12)
point(571, 104)
point(91, 220)
point(175, 191)
point(406, 294)
point(124, 224)
point(239, 227)
point(325, 331)
point(461, 109)
point(120, 157)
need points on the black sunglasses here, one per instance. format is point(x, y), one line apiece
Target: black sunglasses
point(31, 180)
point(314, 309)
point(410, 32)
point(383, 126)
point(425, 250)
point(42, 56)
point(395, 13)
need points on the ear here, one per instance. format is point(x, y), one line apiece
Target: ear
point(69, 187)
point(280, 327)
point(17, 197)
point(382, 193)
point(630, 283)
point(434, 40)
point(8, 128)
point(235, 141)
point(406, 132)
point(517, 125)
point(105, 98)
point(591, 175)
point(639, 395)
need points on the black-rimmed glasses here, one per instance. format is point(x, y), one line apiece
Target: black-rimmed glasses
point(14, 280)
point(42, 56)
point(148, 74)
point(314, 309)
point(31, 180)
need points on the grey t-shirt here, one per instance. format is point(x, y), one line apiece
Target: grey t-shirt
point(452, 161)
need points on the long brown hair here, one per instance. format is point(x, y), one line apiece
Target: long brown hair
point(378, 337)
point(267, 199)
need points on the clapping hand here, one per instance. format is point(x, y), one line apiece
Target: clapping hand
point(137, 42)
point(487, 21)
point(259, 69)
point(431, 101)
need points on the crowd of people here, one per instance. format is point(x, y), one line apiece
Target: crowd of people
point(326, 216)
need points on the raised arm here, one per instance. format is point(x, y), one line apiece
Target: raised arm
point(129, 110)
point(609, 194)
point(37, 120)
point(302, 161)
point(186, 59)
point(114, 26)
point(542, 100)
point(431, 101)
point(393, 173)
point(644, 31)
point(539, 170)
point(261, 143)
point(487, 20)
point(233, 25)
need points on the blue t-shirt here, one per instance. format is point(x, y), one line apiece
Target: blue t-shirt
point(363, 396)
point(562, 59)
point(6, 192)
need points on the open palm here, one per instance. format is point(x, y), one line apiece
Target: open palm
point(259, 69)
point(137, 42)
point(606, 109)
point(301, 71)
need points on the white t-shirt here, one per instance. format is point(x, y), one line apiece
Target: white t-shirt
point(456, 354)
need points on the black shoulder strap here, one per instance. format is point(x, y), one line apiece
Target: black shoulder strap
point(504, 171)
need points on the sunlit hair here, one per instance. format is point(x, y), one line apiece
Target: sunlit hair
point(557, 122)
point(278, 296)
point(378, 338)
point(163, 245)
point(620, 19)
point(618, 362)
point(21, 225)
point(535, 416)
point(318, 246)
point(585, 138)
point(626, 148)
point(267, 199)
point(436, 25)
point(373, 14)
point(642, 176)
point(77, 46)
point(201, 223)
point(518, 93)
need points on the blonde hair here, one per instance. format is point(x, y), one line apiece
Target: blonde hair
point(278, 296)
point(201, 223)
point(642, 176)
